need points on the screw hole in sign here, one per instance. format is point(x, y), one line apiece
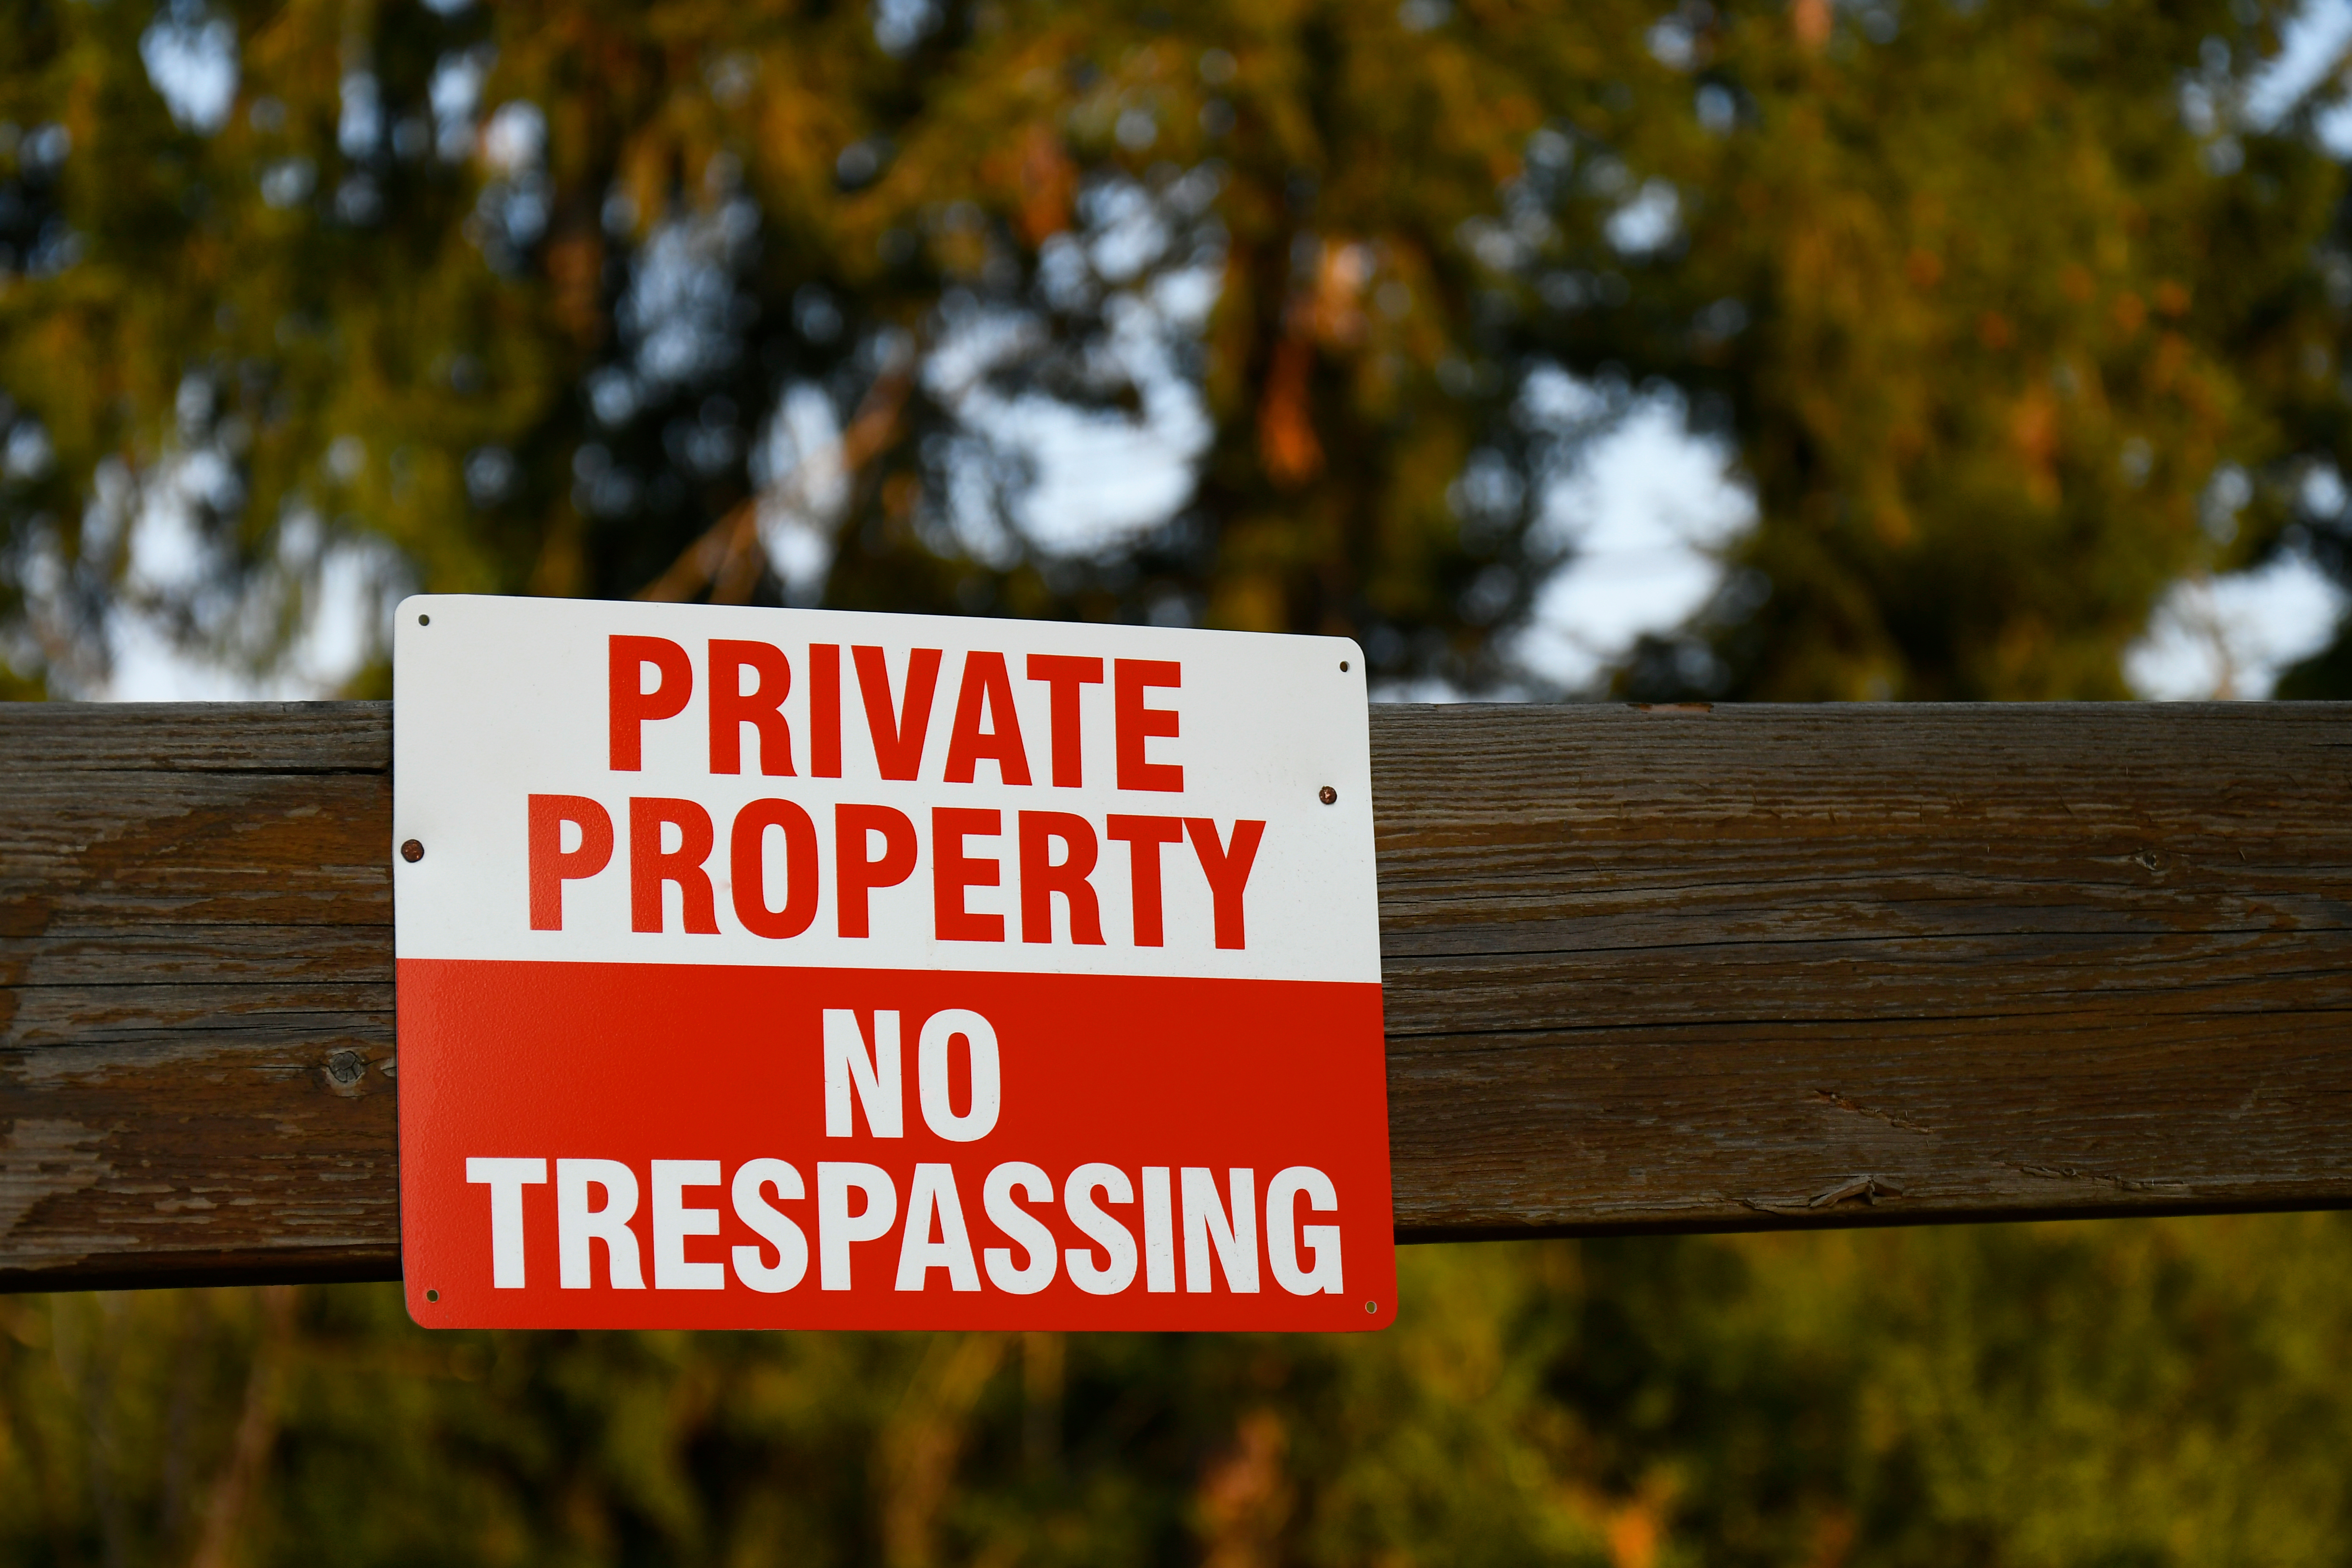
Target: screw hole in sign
point(1343, 667)
point(435, 1296)
point(1371, 1306)
point(424, 620)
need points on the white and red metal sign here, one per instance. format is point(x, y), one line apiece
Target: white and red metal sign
point(797, 969)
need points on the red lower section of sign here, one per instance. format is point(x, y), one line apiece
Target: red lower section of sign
point(677, 1146)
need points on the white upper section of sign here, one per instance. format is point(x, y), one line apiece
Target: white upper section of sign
point(502, 701)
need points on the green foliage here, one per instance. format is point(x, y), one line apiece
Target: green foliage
point(1984, 295)
point(2011, 321)
point(2146, 1391)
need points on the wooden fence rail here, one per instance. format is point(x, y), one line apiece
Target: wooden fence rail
point(1646, 968)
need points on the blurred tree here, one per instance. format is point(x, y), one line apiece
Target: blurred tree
point(2012, 303)
point(783, 302)
point(2013, 314)
point(2119, 1391)
point(2319, 525)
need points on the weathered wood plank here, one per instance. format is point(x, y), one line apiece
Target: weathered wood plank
point(196, 994)
point(1645, 970)
point(1767, 965)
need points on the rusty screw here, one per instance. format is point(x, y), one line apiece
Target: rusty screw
point(412, 851)
point(1328, 796)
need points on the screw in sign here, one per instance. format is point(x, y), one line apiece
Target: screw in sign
point(797, 969)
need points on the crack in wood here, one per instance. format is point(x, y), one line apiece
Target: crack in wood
point(1892, 1119)
point(2076, 1174)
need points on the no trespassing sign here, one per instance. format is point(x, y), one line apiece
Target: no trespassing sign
point(796, 969)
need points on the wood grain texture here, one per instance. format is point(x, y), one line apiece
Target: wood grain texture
point(1645, 970)
point(196, 994)
point(1769, 965)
